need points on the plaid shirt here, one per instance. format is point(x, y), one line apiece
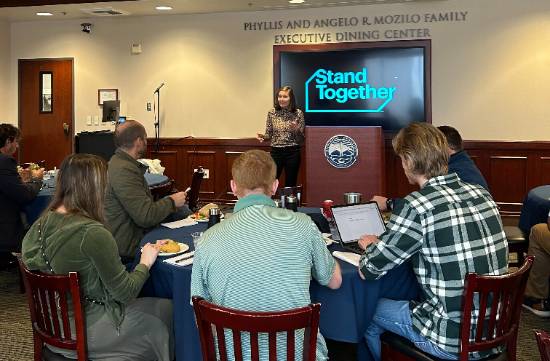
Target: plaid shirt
point(448, 229)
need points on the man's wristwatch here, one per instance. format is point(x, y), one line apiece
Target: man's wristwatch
point(389, 204)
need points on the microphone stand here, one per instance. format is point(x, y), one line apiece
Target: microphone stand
point(157, 123)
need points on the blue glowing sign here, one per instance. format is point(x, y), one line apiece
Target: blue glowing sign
point(339, 88)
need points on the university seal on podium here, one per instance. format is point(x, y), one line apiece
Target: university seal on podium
point(341, 151)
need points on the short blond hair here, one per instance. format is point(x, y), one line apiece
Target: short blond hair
point(254, 169)
point(424, 147)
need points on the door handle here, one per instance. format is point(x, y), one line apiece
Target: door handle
point(66, 128)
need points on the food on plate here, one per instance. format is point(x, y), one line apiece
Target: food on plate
point(199, 217)
point(33, 167)
point(204, 211)
point(170, 246)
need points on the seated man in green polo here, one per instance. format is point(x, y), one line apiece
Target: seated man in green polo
point(262, 258)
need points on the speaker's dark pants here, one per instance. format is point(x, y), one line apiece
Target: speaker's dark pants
point(287, 158)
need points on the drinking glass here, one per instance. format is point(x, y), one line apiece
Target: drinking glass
point(196, 238)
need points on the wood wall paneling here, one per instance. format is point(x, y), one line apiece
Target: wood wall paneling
point(169, 160)
point(510, 168)
point(508, 179)
point(544, 170)
point(229, 159)
point(207, 160)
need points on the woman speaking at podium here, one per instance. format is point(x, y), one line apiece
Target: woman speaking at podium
point(285, 128)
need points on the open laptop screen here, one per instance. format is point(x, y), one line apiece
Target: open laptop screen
point(356, 220)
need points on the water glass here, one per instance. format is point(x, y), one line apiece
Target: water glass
point(196, 238)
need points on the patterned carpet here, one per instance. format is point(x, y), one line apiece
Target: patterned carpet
point(16, 336)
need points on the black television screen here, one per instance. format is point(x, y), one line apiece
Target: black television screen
point(359, 84)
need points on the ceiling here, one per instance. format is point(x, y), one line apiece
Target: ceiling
point(147, 7)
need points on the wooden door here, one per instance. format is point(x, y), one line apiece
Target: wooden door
point(46, 115)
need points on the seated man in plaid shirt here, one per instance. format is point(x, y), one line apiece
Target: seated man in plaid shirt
point(447, 229)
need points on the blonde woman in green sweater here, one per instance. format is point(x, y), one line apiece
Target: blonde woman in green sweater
point(71, 236)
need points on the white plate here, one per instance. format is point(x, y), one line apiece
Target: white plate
point(183, 248)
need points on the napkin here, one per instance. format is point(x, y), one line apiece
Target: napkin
point(181, 260)
point(181, 223)
point(349, 257)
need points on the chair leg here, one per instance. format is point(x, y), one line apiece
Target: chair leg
point(21, 282)
point(37, 347)
point(511, 348)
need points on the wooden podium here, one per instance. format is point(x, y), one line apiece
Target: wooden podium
point(366, 175)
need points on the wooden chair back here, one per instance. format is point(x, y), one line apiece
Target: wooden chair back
point(49, 297)
point(211, 317)
point(498, 301)
point(543, 341)
point(193, 195)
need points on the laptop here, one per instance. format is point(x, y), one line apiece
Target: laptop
point(356, 220)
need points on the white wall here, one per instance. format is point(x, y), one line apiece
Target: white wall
point(5, 73)
point(490, 74)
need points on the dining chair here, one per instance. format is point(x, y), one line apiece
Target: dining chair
point(211, 317)
point(518, 243)
point(498, 300)
point(193, 195)
point(543, 341)
point(48, 298)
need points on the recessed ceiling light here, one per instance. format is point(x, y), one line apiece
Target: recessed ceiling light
point(297, 1)
point(44, 14)
point(163, 8)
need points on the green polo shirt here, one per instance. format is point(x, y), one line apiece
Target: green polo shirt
point(262, 259)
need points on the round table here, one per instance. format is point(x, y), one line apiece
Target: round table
point(345, 312)
point(535, 208)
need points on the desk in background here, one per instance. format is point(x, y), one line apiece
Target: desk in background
point(345, 313)
point(535, 208)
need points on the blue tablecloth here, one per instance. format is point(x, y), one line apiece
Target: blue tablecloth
point(535, 208)
point(37, 206)
point(44, 197)
point(345, 313)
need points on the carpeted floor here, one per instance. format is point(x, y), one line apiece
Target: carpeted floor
point(16, 336)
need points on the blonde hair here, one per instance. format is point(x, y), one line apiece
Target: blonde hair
point(80, 186)
point(254, 169)
point(424, 148)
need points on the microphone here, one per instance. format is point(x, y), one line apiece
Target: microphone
point(157, 89)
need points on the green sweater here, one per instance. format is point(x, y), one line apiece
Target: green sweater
point(129, 206)
point(74, 243)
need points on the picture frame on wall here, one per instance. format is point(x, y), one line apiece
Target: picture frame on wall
point(106, 94)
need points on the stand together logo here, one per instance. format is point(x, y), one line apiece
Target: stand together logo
point(327, 91)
